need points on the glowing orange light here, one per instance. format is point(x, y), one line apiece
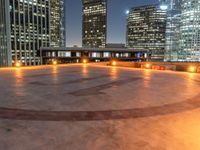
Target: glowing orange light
point(84, 61)
point(147, 66)
point(192, 69)
point(17, 64)
point(55, 62)
point(114, 63)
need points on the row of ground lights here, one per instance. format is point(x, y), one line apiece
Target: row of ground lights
point(191, 69)
point(85, 61)
point(54, 62)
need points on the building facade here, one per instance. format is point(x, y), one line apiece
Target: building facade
point(172, 47)
point(190, 31)
point(78, 54)
point(25, 27)
point(5, 47)
point(57, 23)
point(94, 23)
point(171, 4)
point(146, 29)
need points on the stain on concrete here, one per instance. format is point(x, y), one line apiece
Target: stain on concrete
point(39, 83)
point(97, 90)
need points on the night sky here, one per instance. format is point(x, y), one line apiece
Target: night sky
point(116, 19)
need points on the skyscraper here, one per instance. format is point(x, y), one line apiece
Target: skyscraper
point(146, 30)
point(25, 26)
point(172, 30)
point(94, 23)
point(172, 37)
point(172, 4)
point(5, 47)
point(57, 23)
point(190, 31)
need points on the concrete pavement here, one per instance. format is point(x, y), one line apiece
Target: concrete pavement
point(83, 107)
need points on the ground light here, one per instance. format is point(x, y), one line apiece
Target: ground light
point(147, 66)
point(18, 64)
point(192, 69)
point(85, 61)
point(55, 62)
point(114, 63)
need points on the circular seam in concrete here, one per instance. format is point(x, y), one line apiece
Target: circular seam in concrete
point(22, 114)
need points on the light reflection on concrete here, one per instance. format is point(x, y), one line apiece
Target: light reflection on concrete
point(55, 74)
point(147, 78)
point(114, 73)
point(18, 76)
point(191, 83)
point(19, 87)
point(85, 70)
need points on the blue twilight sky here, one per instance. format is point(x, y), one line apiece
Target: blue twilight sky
point(116, 19)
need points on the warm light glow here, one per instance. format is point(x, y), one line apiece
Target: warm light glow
point(147, 66)
point(147, 78)
point(17, 64)
point(192, 69)
point(55, 74)
point(114, 63)
point(85, 71)
point(55, 62)
point(114, 74)
point(84, 61)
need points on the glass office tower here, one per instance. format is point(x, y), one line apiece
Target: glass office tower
point(146, 30)
point(27, 26)
point(172, 4)
point(57, 23)
point(172, 30)
point(172, 47)
point(94, 23)
point(5, 47)
point(190, 31)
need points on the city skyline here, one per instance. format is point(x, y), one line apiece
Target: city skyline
point(116, 20)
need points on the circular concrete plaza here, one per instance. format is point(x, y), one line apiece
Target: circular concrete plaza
point(94, 92)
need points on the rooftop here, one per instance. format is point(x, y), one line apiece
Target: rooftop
point(108, 49)
point(81, 107)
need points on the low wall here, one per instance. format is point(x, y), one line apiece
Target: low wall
point(176, 66)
